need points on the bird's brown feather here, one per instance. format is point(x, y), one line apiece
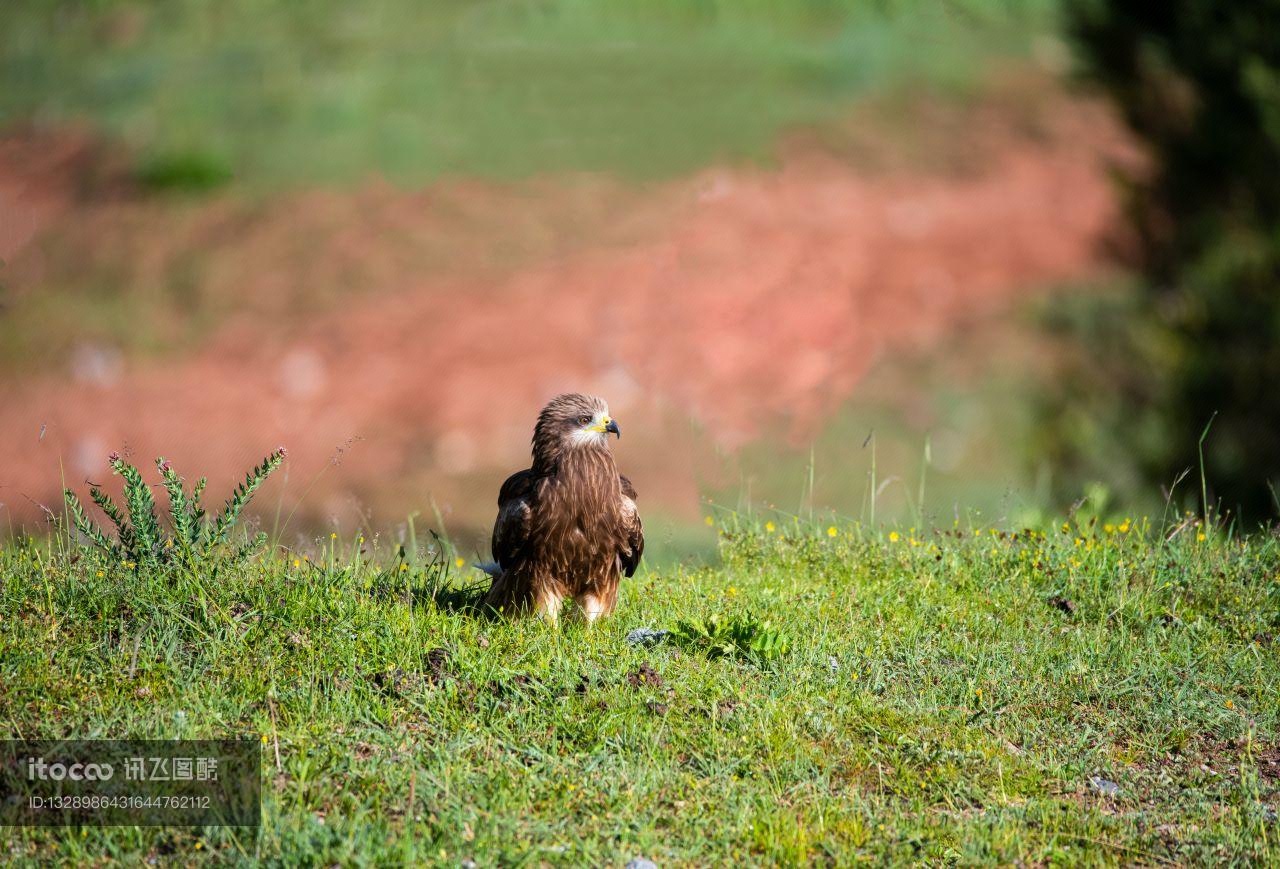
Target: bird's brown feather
point(567, 527)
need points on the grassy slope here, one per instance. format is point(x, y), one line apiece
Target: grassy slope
point(934, 704)
point(286, 93)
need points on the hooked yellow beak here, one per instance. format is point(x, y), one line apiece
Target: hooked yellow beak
point(607, 424)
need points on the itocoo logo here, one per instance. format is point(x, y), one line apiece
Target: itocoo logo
point(37, 768)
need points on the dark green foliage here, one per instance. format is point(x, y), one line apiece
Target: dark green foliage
point(187, 171)
point(1198, 81)
point(140, 539)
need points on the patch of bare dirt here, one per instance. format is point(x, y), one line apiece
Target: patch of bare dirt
point(44, 176)
point(644, 675)
point(434, 323)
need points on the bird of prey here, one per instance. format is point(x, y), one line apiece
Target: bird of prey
point(568, 526)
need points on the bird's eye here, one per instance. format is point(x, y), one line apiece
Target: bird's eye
point(583, 420)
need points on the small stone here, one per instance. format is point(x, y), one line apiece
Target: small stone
point(833, 663)
point(646, 637)
point(641, 863)
point(1106, 787)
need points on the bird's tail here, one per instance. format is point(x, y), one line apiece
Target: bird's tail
point(496, 596)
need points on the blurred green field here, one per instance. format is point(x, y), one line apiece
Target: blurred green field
point(277, 93)
point(934, 435)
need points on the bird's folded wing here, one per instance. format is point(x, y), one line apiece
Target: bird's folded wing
point(633, 532)
point(511, 531)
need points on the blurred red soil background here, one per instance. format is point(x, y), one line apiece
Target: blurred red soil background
point(400, 342)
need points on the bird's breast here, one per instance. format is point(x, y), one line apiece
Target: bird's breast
point(579, 513)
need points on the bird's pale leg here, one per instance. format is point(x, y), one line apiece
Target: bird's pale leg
point(547, 606)
point(592, 607)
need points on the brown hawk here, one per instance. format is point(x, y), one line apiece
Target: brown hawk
point(568, 526)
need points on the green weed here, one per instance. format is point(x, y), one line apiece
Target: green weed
point(192, 537)
point(718, 636)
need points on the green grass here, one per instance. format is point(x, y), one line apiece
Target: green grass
point(945, 697)
point(285, 93)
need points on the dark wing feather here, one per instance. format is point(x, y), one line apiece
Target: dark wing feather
point(629, 554)
point(511, 530)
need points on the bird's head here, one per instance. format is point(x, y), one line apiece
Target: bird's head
point(570, 422)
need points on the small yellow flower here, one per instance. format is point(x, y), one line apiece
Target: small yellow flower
point(978, 693)
point(264, 739)
point(99, 574)
point(1124, 527)
point(1231, 704)
point(709, 521)
point(404, 567)
point(1109, 528)
point(893, 537)
point(459, 562)
point(831, 531)
point(731, 591)
point(1201, 537)
point(297, 562)
point(333, 535)
point(770, 527)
